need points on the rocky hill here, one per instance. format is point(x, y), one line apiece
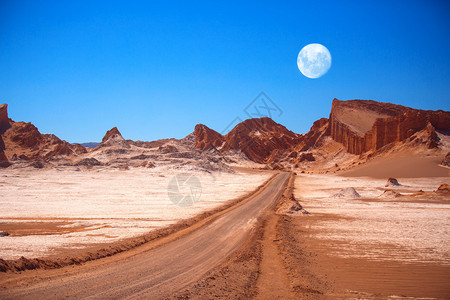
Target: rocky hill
point(256, 138)
point(23, 141)
point(113, 138)
point(259, 139)
point(355, 127)
point(355, 131)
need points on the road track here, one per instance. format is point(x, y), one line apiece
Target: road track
point(161, 271)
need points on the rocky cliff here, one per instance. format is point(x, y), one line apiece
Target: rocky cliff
point(366, 125)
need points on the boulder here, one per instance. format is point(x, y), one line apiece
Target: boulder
point(443, 189)
point(392, 182)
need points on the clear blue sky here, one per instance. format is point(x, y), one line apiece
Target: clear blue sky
point(154, 70)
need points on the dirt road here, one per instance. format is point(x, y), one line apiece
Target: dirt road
point(161, 271)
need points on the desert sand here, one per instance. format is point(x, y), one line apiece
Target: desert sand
point(368, 245)
point(49, 210)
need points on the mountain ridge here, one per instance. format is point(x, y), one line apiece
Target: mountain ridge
point(357, 127)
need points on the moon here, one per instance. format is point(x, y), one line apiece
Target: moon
point(314, 60)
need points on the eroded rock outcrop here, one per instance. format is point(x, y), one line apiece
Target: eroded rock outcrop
point(4, 120)
point(4, 125)
point(206, 138)
point(366, 125)
point(319, 129)
point(25, 139)
point(21, 140)
point(89, 161)
point(392, 182)
point(443, 189)
point(113, 138)
point(259, 138)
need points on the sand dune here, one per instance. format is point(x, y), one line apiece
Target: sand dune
point(406, 166)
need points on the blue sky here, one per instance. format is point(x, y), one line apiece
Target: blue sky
point(155, 69)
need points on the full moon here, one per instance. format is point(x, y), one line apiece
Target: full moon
point(314, 60)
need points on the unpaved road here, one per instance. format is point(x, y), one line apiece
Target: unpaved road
point(161, 271)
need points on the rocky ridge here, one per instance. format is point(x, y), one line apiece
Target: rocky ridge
point(355, 127)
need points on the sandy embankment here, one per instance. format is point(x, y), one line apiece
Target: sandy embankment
point(48, 212)
point(405, 165)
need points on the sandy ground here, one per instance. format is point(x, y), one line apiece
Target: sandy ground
point(138, 274)
point(48, 210)
point(372, 247)
point(363, 248)
point(409, 166)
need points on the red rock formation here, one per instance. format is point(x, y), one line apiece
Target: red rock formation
point(4, 125)
point(113, 138)
point(258, 138)
point(306, 156)
point(4, 121)
point(2, 145)
point(25, 139)
point(366, 125)
point(111, 133)
point(443, 189)
point(206, 138)
point(320, 128)
point(78, 149)
point(312, 138)
point(59, 150)
point(24, 135)
point(20, 139)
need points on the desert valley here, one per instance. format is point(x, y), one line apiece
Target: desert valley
point(358, 207)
